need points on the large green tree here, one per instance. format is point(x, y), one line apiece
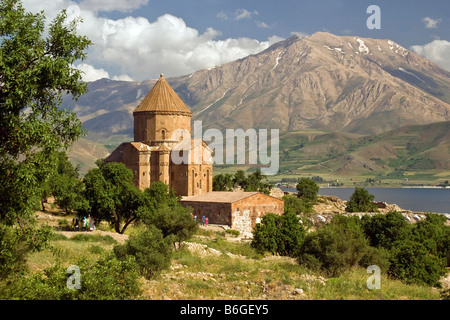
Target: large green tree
point(112, 196)
point(36, 70)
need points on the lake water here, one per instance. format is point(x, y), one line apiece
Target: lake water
point(414, 199)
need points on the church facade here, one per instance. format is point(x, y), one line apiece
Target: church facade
point(163, 149)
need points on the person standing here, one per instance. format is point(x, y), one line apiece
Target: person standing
point(91, 224)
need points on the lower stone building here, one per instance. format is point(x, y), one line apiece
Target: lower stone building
point(238, 210)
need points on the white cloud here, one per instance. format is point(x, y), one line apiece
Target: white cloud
point(262, 25)
point(275, 39)
point(300, 34)
point(139, 49)
point(430, 23)
point(437, 51)
point(90, 73)
point(222, 16)
point(244, 14)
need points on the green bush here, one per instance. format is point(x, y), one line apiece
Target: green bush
point(175, 222)
point(266, 234)
point(376, 256)
point(277, 234)
point(411, 262)
point(106, 279)
point(150, 249)
point(434, 235)
point(361, 201)
point(383, 230)
point(334, 248)
point(13, 251)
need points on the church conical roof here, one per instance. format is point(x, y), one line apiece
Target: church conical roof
point(162, 98)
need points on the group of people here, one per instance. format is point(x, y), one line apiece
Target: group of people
point(86, 224)
point(204, 219)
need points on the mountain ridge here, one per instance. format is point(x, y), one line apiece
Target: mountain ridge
point(345, 84)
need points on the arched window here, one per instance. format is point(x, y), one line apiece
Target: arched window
point(163, 134)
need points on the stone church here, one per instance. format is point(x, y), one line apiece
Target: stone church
point(163, 149)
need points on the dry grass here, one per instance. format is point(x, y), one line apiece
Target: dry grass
point(232, 270)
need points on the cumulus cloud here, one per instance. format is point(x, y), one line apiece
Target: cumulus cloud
point(437, 51)
point(136, 48)
point(90, 73)
point(430, 23)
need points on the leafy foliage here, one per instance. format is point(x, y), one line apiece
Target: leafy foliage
point(113, 197)
point(412, 262)
point(434, 235)
point(253, 182)
point(106, 279)
point(277, 234)
point(307, 191)
point(336, 247)
point(223, 182)
point(34, 73)
point(361, 201)
point(384, 230)
point(150, 249)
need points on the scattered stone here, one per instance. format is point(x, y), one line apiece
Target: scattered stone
point(297, 291)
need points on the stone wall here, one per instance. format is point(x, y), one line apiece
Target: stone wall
point(246, 213)
point(240, 215)
point(216, 212)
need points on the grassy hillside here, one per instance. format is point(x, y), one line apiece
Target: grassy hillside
point(213, 265)
point(419, 153)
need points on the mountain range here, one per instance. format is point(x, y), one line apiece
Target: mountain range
point(344, 86)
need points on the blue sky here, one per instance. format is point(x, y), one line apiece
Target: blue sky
point(139, 39)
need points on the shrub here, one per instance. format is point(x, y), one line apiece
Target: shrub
point(335, 247)
point(434, 235)
point(361, 201)
point(385, 229)
point(106, 279)
point(281, 235)
point(376, 256)
point(151, 251)
point(411, 262)
point(266, 234)
point(13, 251)
point(175, 222)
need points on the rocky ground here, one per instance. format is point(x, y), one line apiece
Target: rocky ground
point(328, 206)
